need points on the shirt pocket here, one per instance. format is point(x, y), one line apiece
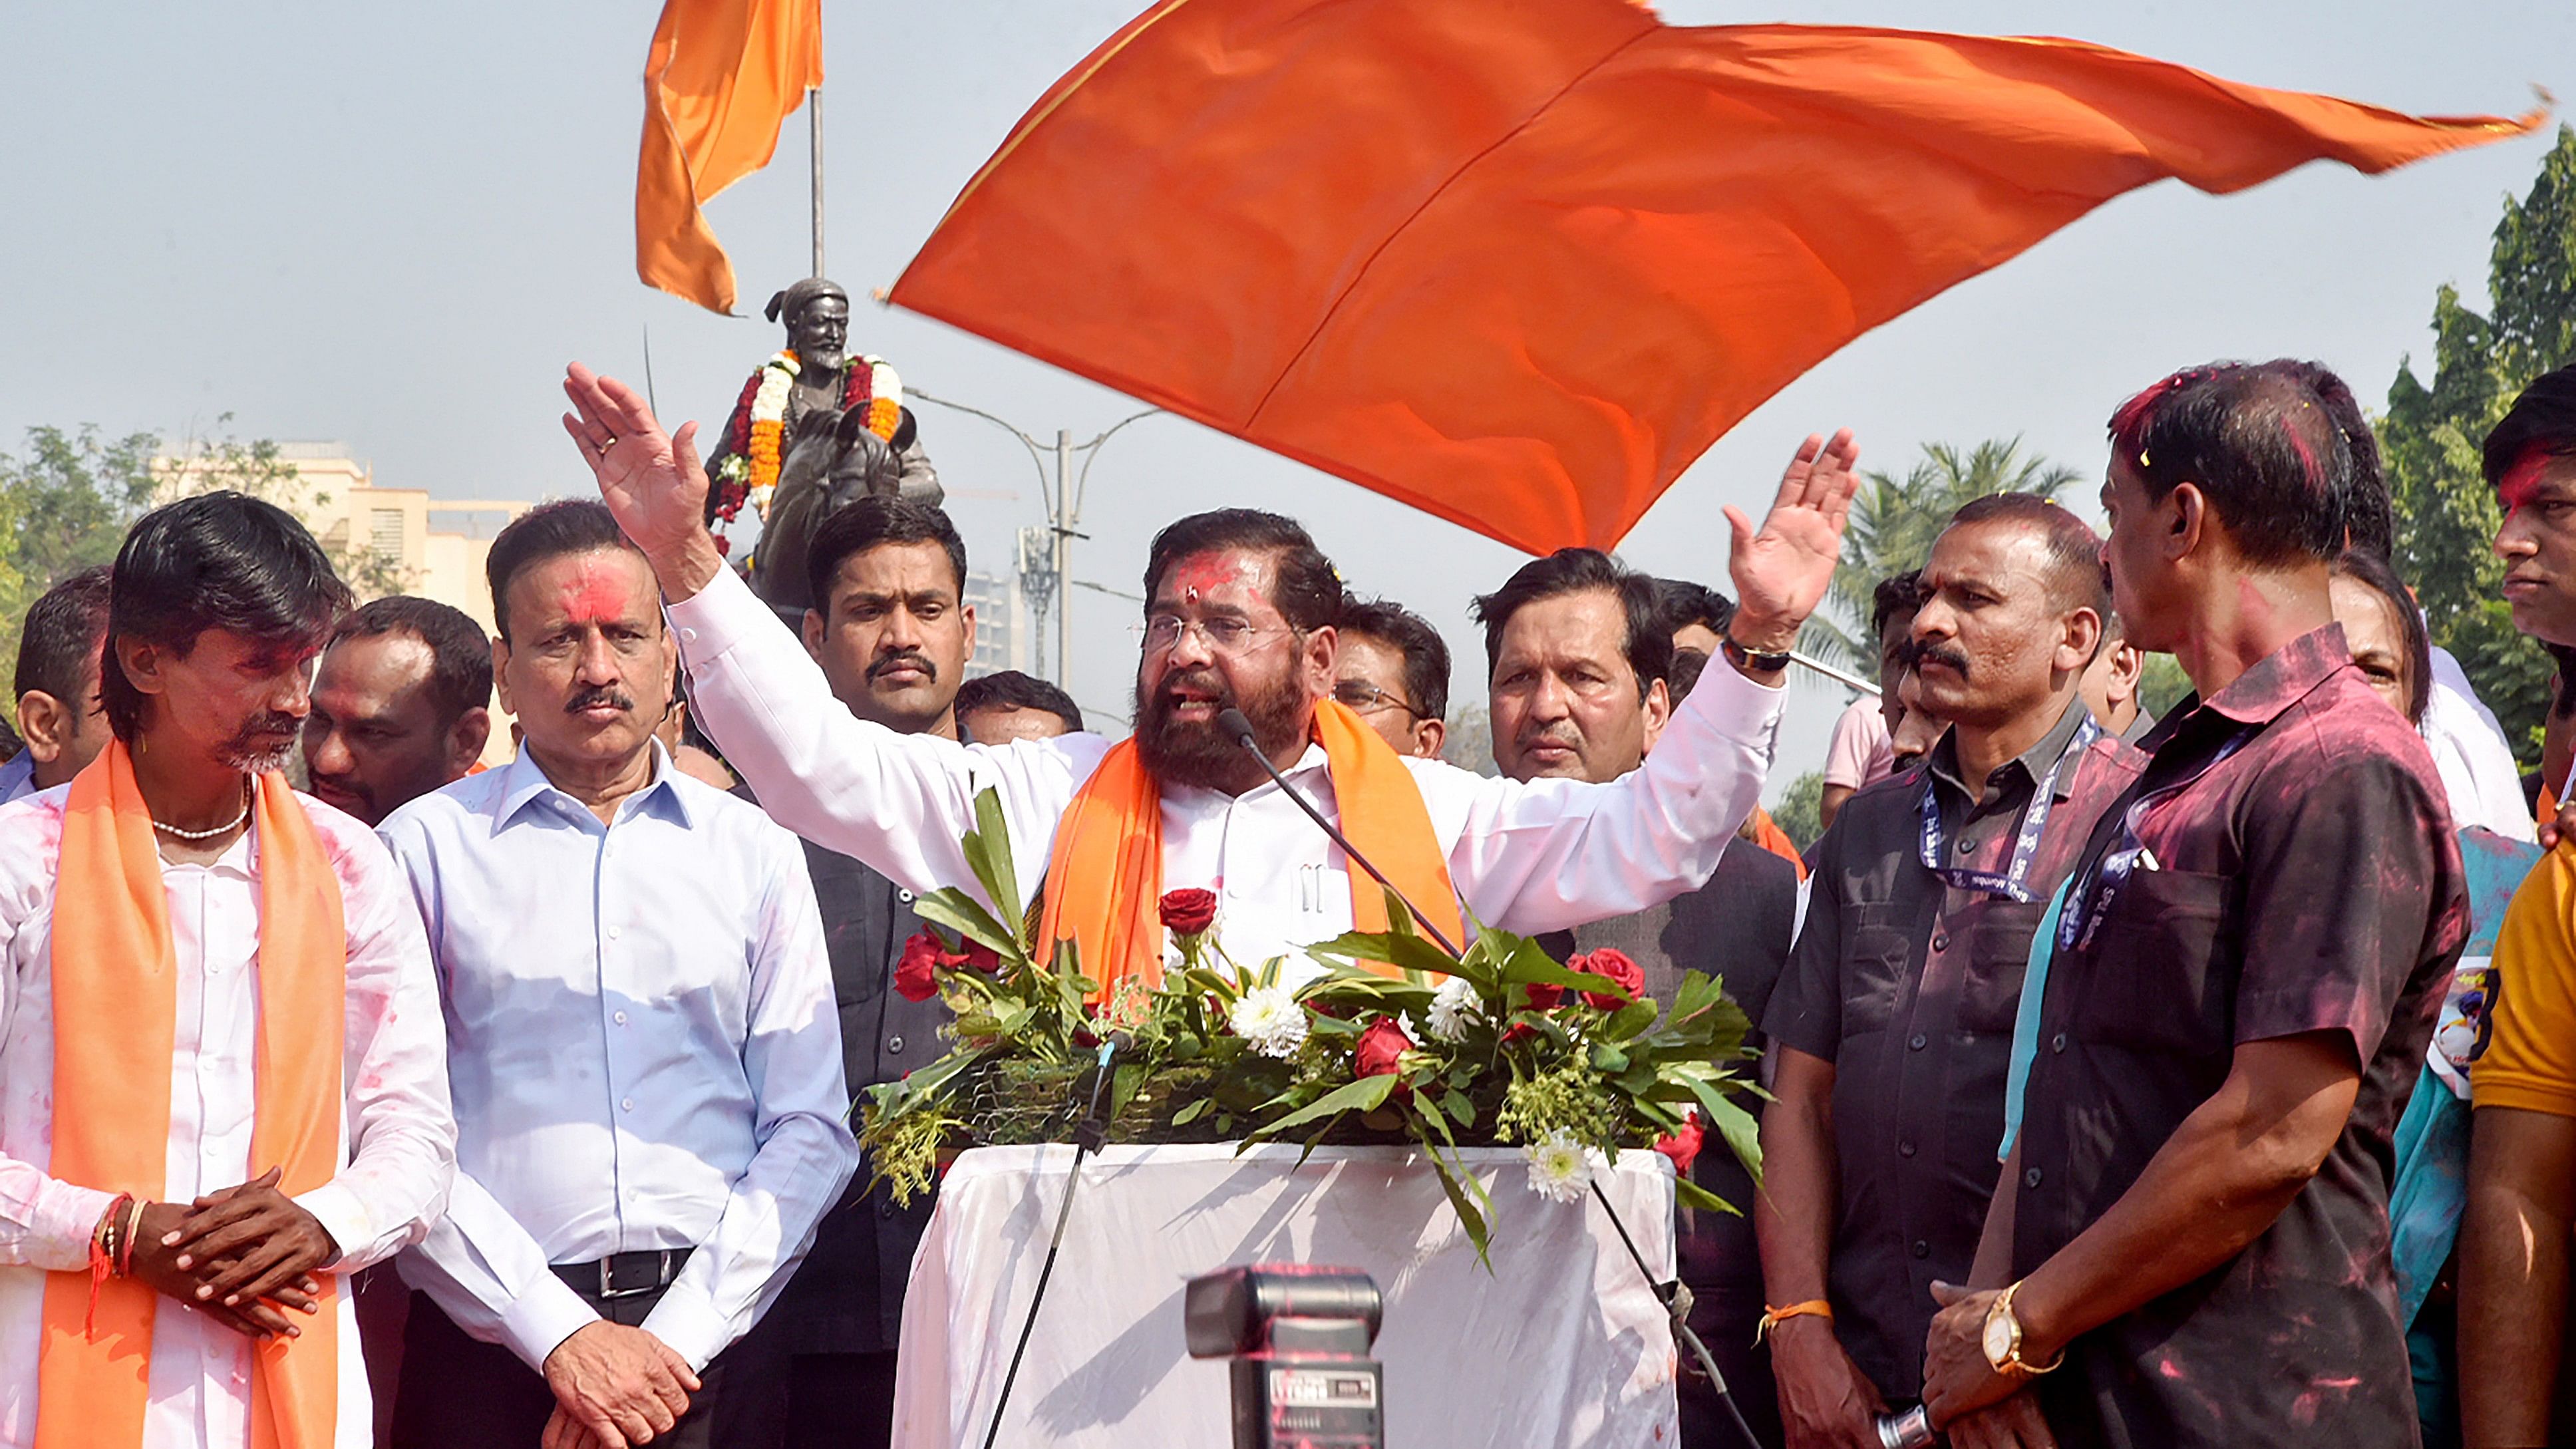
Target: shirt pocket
point(1875, 954)
point(2155, 982)
point(1998, 955)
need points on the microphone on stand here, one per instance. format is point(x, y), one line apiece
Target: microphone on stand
point(1088, 1136)
point(1239, 729)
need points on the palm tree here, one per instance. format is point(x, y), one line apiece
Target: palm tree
point(1894, 522)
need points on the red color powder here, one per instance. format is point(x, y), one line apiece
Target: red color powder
point(600, 590)
point(2522, 480)
point(1200, 574)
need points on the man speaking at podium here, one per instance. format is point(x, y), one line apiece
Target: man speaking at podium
point(1239, 616)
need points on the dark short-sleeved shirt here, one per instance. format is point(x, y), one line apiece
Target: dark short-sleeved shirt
point(1909, 986)
point(847, 1295)
point(2307, 881)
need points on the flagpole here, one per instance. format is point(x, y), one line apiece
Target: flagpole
point(814, 131)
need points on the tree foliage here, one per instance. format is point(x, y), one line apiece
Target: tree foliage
point(66, 503)
point(2446, 514)
point(1800, 812)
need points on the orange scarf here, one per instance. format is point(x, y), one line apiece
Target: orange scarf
point(115, 1027)
point(1105, 874)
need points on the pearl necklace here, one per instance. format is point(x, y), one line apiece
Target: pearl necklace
point(176, 833)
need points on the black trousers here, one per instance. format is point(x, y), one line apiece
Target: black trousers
point(840, 1400)
point(459, 1393)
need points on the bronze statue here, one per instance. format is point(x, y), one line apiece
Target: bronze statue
point(813, 429)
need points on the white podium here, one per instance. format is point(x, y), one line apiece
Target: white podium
point(1562, 1344)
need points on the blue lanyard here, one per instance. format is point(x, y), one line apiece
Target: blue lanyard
point(2089, 904)
point(2015, 881)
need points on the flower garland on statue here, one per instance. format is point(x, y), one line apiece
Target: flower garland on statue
point(756, 433)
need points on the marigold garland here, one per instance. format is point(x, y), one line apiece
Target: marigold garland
point(755, 435)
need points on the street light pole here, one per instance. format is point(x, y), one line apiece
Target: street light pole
point(1046, 568)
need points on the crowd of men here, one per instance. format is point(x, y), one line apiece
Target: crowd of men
point(2199, 1080)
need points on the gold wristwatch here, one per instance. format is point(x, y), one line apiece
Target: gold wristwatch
point(2002, 1340)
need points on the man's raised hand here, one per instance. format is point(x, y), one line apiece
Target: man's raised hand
point(1782, 569)
point(651, 480)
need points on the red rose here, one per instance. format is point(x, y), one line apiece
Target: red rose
point(1543, 998)
point(1379, 1048)
point(916, 975)
point(1614, 964)
point(1519, 1031)
point(979, 957)
point(1189, 912)
point(1683, 1146)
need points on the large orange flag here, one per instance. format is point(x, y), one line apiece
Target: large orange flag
point(1518, 264)
point(721, 78)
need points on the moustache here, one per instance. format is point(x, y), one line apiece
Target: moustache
point(273, 723)
point(1918, 655)
point(905, 659)
point(609, 695)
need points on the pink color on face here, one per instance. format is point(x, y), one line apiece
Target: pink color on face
point(599, 592)
point(2522, 480)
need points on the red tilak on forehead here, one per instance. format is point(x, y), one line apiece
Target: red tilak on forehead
point(597, 592)
point(2522, 480)
point(1200, 574)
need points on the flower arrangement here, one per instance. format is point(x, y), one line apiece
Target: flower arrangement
point(1500, 1044)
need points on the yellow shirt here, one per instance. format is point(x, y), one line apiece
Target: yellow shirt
point(2530, 1056)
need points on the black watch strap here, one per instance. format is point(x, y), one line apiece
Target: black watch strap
point(1743, 658)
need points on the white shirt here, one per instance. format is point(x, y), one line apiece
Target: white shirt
point(644, 1046)
point(2469, 749)
point(394, 1111)
point(1543, 855)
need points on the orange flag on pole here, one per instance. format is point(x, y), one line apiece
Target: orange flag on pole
point(1519, 264)
point(721, 78)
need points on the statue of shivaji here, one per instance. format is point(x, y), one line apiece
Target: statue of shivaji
point(813, 428)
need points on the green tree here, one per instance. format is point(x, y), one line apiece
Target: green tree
point(1800, 812)
point(1893, 523)
point(64, 507)
point(2446, 514)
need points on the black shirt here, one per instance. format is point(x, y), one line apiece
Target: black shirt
point(1908, 986)
point(2307, 881)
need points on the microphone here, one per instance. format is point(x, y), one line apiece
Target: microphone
point(1239, 729)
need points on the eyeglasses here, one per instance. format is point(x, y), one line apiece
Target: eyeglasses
point(1363, 696)
point(1222, 635)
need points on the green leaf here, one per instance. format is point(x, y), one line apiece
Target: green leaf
point(966, 916)
point(1192, 1112)
point(1629, 1020)
point(1460, 1109)
point(988, 854)
point(1364, 1095)
point(1736, 1125)
point(1405, 952)
point(1691, 1194)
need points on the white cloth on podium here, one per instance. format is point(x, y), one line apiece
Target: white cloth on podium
point(1562, 1344)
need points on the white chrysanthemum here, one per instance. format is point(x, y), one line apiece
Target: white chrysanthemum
point(1560, 1168)
point(1270, 1019)
point(1452, 1006)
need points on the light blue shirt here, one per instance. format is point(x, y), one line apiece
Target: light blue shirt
point(18, 777)
point(642, 1047)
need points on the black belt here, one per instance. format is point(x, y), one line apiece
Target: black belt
point(623, 1275)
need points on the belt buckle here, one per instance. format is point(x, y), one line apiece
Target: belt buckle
point(608, 1288)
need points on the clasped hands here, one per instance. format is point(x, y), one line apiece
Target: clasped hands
point(244, 1256)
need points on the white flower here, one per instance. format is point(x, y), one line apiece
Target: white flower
point(1452, 1006)
point(1270, 1019)
point(1560, 1168)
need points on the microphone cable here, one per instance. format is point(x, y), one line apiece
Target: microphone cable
point(1086, 1138)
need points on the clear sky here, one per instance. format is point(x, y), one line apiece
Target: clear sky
point(393, 224)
